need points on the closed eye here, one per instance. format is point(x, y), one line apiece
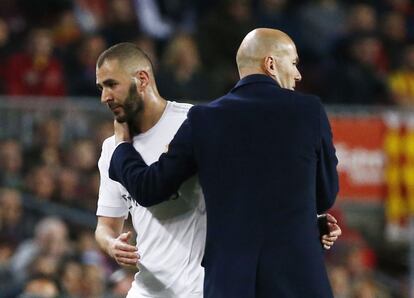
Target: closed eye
point(296, 61)
point(110, 83)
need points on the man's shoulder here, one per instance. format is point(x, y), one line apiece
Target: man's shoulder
point(179, 107)
point(209, 105)
point(307, 96)
point(304, 99)
point(108, 144)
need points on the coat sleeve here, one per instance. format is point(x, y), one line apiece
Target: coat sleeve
point(327, 185)
point(150, 185)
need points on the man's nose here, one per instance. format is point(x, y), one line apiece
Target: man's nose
point(105, 96)
point(298, 77)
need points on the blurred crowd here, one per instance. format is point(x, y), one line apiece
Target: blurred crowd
point(351, 52)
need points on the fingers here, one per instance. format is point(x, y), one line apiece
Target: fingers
point(123, 246)
point(121, 131)
point(331, 219)
point(126, 258)
point(125, 236)
point(334, 230)
point(328, 241)
point(127, 261)
point(125, 254)
point(130, 256)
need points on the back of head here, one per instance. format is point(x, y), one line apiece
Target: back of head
point(257, 45)
point(130, 57)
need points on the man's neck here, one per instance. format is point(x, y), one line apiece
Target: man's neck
point(247, 71)
point(150, 115)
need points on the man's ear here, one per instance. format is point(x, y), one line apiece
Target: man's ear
point(141, 79)
point(270, 65)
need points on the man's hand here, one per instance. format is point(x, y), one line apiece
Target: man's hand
point(124, 253)
point(334, 232)
point(121, 131)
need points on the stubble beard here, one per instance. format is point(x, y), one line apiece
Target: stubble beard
point(132, 108)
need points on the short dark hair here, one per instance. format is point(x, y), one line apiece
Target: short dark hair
point(124, 52)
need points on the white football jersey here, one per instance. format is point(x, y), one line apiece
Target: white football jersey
point(171, 235)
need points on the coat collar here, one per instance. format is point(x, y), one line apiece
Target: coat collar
point(255, 78)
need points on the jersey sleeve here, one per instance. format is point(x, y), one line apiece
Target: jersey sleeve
point(110, 201)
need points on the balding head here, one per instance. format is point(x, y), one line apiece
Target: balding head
point(260, 43)
point(266, 51)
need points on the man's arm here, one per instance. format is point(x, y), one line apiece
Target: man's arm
point(114, 243)
point(327, 176)
point(150, 185)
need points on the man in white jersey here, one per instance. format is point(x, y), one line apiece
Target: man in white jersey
point(171, 235)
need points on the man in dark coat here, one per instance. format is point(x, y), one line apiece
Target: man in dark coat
point(267, 167)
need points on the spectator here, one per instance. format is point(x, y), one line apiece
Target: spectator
point(160, 19)
point(148, 45)
point(181, 77)
point(361, 19)
point(81, 68)
point(394, 35)
point(103, 130)
point(93, 281)
point(367, 288)
point(40, 287)
point(228, 24)
point(50, 238)
point(279, 15)
point(340, 281)
point(71, 273)
point(82, 156)
point(322, 31)
point(45, 148)
point(358, 81)
point(46, 264)
point(68, 187)
point(90, 14)
point(120, 282)
point(67, 31)
point(91, 191)
point(14, 228)
point(14, 224)
point(318, 41)
point(11, 164)
point(5, 50)
point(41, 183)
point(36, 71)
point(401, 81)
point(89, 251)
point(122, 24)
